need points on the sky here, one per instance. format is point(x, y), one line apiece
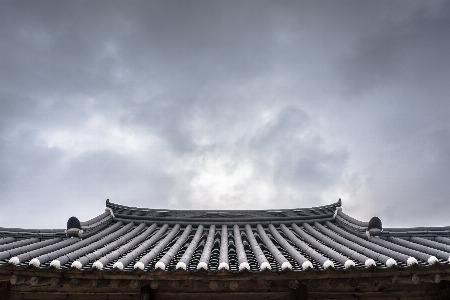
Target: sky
point(224, 105)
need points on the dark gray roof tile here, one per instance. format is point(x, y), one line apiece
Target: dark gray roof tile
point(233, 240)
point(41, 251)
point(324, 261)
point(75, 246)
point(327, 251)
point(145, 260)
point(370, 244)
point(12, 245)
point(84, 247)
point(413, 254)
point(353, 255)
point(351, 220)
point(369, 260)
point(7, 240)
point(110, 257)
point(423, 249)
point(97, 219)
point(165, 260)
point(206, 254)
point(185, 259)
point(123, 244)
point(374, 251)
point(96, 250)
point(242, 257)
point(223, 256)
point(259, 255)
point(29, 247)
point(282, 261)
point(442, 239)
point(305, 263)
point(124, 261)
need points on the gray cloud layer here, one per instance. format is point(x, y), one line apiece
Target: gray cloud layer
point(219, 105)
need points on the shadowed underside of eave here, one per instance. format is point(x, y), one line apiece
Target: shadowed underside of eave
point(394, 283)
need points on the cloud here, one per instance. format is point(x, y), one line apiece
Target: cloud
point(303, 167)
point(223, 105)
point(411, 51)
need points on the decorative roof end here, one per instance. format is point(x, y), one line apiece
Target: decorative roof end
point(35, 262)
point(338, 208)
point(369, 262)
point(375, 228)
point(390, 262)
point(307, 265)
point(139, 265)
point(432, 260)
point(14, 260)
point(74, 228)
point(327, 264)
point(98, 264)
point(77, 264)
point(411, 261)
point(265, 265)
point(202, 265)
point(286, 265)
point(111, 211)
point(118, 265)
point(243, 266)
point(223, 265)
point(181, 265)
point(160, 265)
point(336, 211)
point(55, 263)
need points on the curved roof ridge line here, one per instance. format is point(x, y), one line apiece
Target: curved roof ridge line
point(122, 212)
point(119, 206)
point(352, 220)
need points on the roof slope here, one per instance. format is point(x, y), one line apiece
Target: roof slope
point(127, 238)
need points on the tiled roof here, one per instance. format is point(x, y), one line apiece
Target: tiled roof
point(127, 238)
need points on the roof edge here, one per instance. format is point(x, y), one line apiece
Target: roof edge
point(214, 216)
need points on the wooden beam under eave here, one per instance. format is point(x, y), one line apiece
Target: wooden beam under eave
point(399, 295)
point(81, 296)
point(224, 296)
point(444, 270)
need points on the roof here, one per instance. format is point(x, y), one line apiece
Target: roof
point(127, 238)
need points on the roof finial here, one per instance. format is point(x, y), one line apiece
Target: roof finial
point(375, 228)
point(338, 208)
point(74, 227)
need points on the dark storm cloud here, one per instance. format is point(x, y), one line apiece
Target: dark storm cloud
point(296, 157)
point(396, 83)
point(205, 104)
point(412, 51)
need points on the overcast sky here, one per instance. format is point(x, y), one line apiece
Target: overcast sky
point(224, 105)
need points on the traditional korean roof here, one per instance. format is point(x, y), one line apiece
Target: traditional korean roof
point(127, 238)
